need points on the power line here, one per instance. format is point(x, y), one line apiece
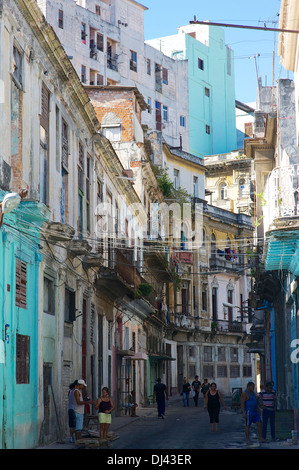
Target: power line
point(260, 28)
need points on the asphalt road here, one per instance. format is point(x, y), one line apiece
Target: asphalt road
point(184, 428)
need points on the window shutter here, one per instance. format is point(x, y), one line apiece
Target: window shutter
point(45, 107)
point(22, 359)
point(21, 284)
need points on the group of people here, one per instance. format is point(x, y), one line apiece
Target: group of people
point(76, 409)
point(194, 389)
point(212, 398)
point(252, 405)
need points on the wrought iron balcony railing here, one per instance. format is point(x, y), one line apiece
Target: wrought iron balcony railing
point(280, 199)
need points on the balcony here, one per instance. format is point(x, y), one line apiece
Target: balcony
point(79, 247)
point(120, 278)
point(229, 326)
point(155, 256)
point(228, 260)
point(281, 219)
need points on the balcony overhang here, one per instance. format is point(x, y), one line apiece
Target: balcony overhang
point(160, 357)
point(59, 232)
point(125, 352)
point(282, 250)
point(112, 284)
point(79, 247)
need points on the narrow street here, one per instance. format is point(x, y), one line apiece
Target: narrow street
point(184, 428)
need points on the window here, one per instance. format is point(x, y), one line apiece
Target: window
point(88, 168)
point(207, 92)
point(195, 186)
point(207, 353)
point(80, 214)
point(148, 67)
point(176, 176)
point(60, 19)
point(248, 129)
point(208, 129)
point(223, 191)
point(112, 133)
point(22, 359)
point(98, 10)
point(165, 113)
point(182, 121)
point(134, 341)
point(49, 299)
point(127, 338)
point(234, 371)
point(133, 61)
point(100, 42)
point(158, 78)
point(204, 300)
point(70, 306)
point(221, 371)
point(234, 355)
point(17, 66)
point(213, 245)
point(165, 76)
point(99, 191)
point(158, 116)
point(100, 79)
point(200, 64)
point(214, 304)
point(241, 187)
point(247, 371)
point(83, 73)
point(221, 354)
point(149, 104)
point(83, 33)
point(81, 168)
point(208, 371)
point(44, 151)
point(21, 284)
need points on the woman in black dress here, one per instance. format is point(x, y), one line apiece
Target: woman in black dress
point(212, 402)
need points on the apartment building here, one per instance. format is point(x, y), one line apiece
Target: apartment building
point(180, 76)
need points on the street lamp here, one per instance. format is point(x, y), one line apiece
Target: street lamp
point(10, 203)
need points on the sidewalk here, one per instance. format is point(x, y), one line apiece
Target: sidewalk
point(118, 422)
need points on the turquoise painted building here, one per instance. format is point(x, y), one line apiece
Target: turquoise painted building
point(211, 86)
point(19, 268)
point(211, 83)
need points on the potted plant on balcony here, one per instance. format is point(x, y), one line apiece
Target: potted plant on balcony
point(214, 327)
point(144, 290)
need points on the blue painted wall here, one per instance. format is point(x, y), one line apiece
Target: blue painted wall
point(19, 238)
point(217, 110)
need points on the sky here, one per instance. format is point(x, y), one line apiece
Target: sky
point(163, 17)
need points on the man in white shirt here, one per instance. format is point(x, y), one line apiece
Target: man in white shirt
point(79, 404)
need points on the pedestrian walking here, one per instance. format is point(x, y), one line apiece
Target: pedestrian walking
point(251, 412)
point(213, 398)
point(205, 386)
point(269, 406)
point(195, 388)
point(160, 393)
point(186, 388)
point(105, 406)
point(80, 406)
point(71, 410)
